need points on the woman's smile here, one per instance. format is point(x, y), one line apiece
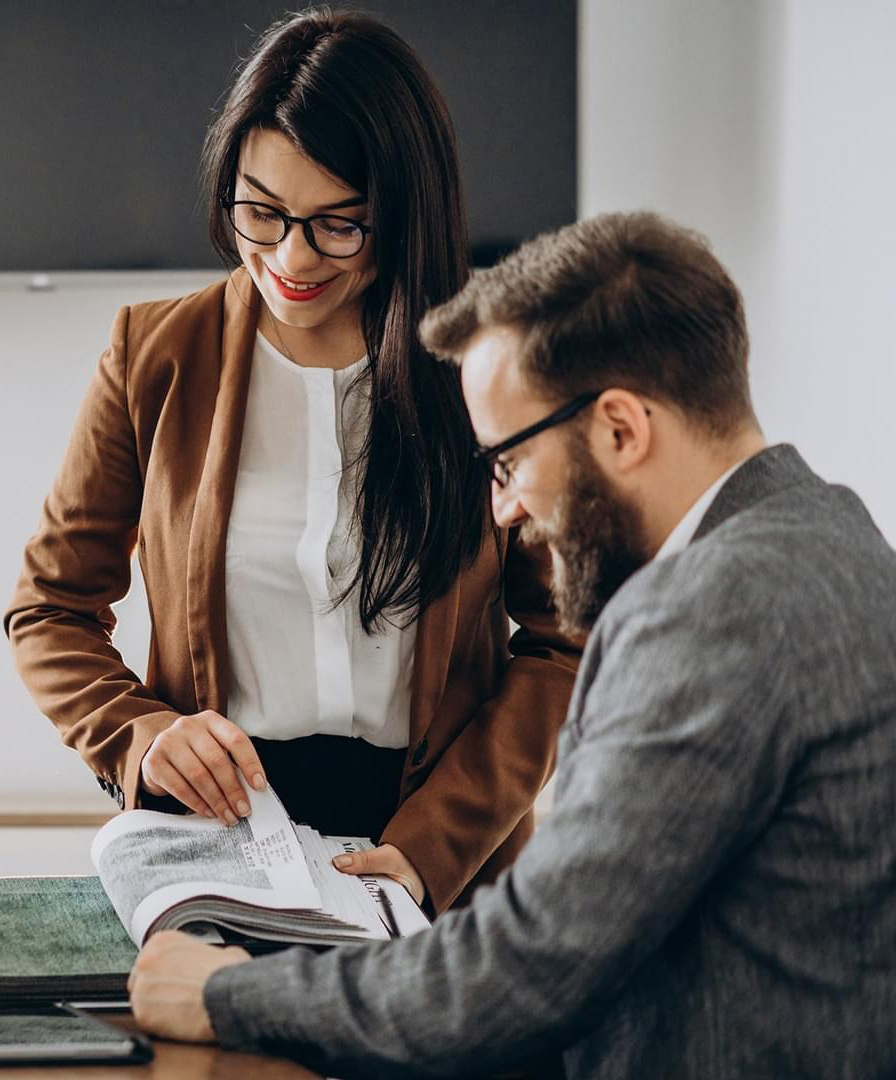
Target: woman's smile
point(301, 291)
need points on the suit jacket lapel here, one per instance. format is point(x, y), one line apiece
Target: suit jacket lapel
point(764, 474)
point(206, 626)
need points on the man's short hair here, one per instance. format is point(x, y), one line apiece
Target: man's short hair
point(628, 300)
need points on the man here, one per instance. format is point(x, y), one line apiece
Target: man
point(714, 893)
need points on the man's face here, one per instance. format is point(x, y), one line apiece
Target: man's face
point(557, 491)
point(595, 537)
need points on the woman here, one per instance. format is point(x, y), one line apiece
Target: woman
point(323, 577)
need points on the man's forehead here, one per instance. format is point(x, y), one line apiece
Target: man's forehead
point(498, 395)
point(492, 357)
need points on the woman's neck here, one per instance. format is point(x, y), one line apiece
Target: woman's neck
point(337, 344)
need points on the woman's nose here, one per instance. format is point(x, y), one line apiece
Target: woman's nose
point(295, 254)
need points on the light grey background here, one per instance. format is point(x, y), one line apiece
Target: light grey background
point(768, 124)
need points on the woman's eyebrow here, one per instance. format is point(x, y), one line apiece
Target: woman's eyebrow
point(258, 184)
point(344, 204)
point(354, 200)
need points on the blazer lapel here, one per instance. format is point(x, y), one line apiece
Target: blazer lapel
point(206, 612)
point(764, 474)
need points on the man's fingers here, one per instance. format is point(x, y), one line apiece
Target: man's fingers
point(239, 746)
point(163, 941)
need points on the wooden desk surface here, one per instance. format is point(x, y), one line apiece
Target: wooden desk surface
point(172, 1061)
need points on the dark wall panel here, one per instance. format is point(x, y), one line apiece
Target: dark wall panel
point(106, 102)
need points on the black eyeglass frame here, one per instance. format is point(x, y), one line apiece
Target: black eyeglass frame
point(489, 454)
point(289, 220)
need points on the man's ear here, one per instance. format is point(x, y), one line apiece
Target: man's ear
point(621, 432)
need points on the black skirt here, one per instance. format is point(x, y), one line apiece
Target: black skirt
point(340, 786)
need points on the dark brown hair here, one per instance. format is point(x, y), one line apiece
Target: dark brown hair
point(353, 96)
point(628, 300)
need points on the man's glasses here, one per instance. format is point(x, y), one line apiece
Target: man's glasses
point(491, 454)
point(329, 234)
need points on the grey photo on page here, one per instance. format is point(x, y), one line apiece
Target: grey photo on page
point(169, 856)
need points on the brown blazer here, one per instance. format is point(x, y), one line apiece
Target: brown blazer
point(152, 461)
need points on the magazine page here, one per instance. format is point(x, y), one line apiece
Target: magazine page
point(343, 895)
point(408, 915)
point(346, 895)
point(148, 861)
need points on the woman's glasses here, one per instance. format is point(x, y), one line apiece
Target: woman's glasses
point(329, 234)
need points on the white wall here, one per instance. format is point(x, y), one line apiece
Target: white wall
point(49, 345)
point(768, 124)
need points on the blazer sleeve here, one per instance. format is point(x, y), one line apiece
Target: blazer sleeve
point(76, 566)
point(489, 776)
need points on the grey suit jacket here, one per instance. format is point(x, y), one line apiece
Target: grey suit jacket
point(714, 893)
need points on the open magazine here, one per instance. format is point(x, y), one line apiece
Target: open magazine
point(264, 879)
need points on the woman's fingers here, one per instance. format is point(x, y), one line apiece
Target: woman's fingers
point(385, 859)
point(192, 761)
point(210, 773)
point(239, 746)
point(222, 773)
point(171, 781)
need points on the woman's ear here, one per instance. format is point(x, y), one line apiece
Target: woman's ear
point(621, 432)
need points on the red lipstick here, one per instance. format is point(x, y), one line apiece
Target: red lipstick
point(298, 294)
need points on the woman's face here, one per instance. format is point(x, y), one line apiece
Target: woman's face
point(289, 275)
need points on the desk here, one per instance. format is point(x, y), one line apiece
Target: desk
point(172, 1061)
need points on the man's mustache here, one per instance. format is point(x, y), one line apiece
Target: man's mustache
point(533, 533)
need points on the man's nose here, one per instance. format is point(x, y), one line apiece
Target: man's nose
point(506, 506)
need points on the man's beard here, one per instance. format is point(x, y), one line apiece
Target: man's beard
point(597, 542)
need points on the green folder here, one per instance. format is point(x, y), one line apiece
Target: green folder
point(60, 939)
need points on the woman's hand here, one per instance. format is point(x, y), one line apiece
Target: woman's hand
point(385, 859)
point(193, 760)
point(167, 981)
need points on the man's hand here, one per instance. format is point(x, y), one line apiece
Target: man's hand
point(193, 760)
point(385, 859)
point(166, 984)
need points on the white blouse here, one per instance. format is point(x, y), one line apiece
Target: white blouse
point(296, 666)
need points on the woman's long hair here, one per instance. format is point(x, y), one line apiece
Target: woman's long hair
point(353, 96)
